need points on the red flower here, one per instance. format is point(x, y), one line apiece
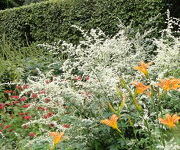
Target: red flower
point(1, 130)
point(8, 91)
point(32, 134)
point(22, 114)
point(42, 92)
point(14, 97)
point(18, 87)
point(87, 78)
point(27, 117)
point(42, 108)
point(10, 130)
point(50, 114)
point(25, 86)
point(52, 125)
point(15, 102)
point(9, 104)
point(48, 81)
point(7, 126)
point(25, 126)
point(2, 106)
point(78, 78)
point(23, 99)
point(28, 93)
point(66, 125)
point(26, 106)
point(34, 95)
point(47, 100)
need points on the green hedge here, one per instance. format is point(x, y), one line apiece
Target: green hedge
point(49, 21)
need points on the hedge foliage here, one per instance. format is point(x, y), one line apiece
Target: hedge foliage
point(4, 4)
point(52, 20)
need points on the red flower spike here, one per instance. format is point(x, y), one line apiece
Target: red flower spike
point(9, 104)
point(8, 91)
point(48, 81)
point(22, 114)
point(47, 100)
point(14, 97)
point(78, 78)
point(22, 99)
point(34, 95)
point(52, 125)
point(48, 115)
point(32, 134)
point(25, 126)
point(25, 86)
point(15, 102)
point(66, 125)
point(42, 92)
point(7, 126)
point(10, 130)
point(27, 117)
point(26, 106)
point(2, 106)
point(42, 108)
point(87, 78)
point(18, 87)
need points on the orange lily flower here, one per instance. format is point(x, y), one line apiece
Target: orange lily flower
point(57, 137)
point(169, 84)
point(111, 122)
point(170, 120)
point(143, 67)
point(140, 87)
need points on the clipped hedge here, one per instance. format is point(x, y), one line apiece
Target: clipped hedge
point(49, 21)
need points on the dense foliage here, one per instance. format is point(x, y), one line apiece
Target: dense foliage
point(49, 21)
point(107, 93)
point(5, 4)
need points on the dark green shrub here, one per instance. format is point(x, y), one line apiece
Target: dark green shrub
point(49, 21)
point(4, 4)
point(14, 63)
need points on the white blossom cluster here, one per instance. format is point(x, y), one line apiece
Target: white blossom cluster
point(92, 70)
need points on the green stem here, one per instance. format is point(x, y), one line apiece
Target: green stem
point(137, 105)
point(53, 147)
point(119, 130)
point(120, 133)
